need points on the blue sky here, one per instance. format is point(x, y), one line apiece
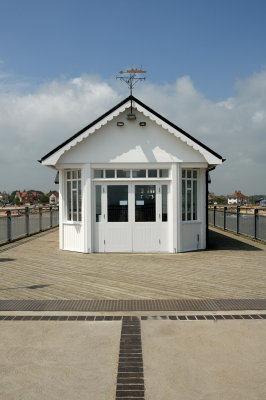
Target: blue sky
point(219, 46)
point(214, 42)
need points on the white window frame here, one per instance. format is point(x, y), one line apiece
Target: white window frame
point(78, 181)
point(130, 177)
point(190, 189)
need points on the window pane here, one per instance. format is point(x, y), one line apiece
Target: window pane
point(74, 196)
point(74, 174)
point(98, 201)
point(98, 173)
point(68, 175)
point(117, 199)
point(74, 185)
point(69, 201)
point(183, 200)
point(195, 174)
point(189, 184)
point(123, 173)
point(183, 173)
point(152, 173)
point(110, 173)
point(163, 173)
point(79, 201)
point(139, 173)
point(164, 202)
point(195, 216)
point(79, 174)
point(188, 205)
point(188, 173)
point(145, 199)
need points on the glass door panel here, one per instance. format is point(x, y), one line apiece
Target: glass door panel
point(117, 203)
point(164, 203)
point(98, 201)
point(145, 203)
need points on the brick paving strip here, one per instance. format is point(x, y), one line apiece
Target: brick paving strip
point(206, 317)
point(134, 305)
point(130, 378)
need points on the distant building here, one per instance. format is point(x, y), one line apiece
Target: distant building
point(237, 198)
point(261, 202)
point(24, 197)
point(3, 197)
point(54, 198)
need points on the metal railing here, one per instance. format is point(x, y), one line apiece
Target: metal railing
point(22, 222)
point(245, 221)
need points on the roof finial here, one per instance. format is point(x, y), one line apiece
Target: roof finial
point(130, 77)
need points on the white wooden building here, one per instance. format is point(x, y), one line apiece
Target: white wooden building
point(132, 181)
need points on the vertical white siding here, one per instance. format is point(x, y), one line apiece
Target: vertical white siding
point(61, 209)
point(73, 235)
point(87, 206)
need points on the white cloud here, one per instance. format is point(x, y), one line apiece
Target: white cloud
point(32, 124)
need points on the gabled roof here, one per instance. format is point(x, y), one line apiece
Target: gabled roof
point(115, 111)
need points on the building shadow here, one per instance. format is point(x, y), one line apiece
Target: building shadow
point(219, 241)
point(6, 259)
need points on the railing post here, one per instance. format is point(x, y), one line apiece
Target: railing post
point(214, 215)
point(51, 217)
point(255, 222)
point(237, 218)
point(40, 219)
point(27, 221)
point(225, 209)
point(9, 231)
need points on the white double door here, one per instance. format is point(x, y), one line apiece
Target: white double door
point(131, 217)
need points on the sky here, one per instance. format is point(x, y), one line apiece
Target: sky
point(206, 72)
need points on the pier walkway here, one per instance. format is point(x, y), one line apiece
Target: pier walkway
point(34, 268)
point(133, 326)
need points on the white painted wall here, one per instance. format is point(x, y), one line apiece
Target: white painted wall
point(131, 143)
point(73, 234)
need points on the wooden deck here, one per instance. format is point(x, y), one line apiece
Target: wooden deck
point(34, 268)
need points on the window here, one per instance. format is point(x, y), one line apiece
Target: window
point(152, 173)
point(189, 195)
point(145, 203)
point(117, 203)
point(123, 173)
point(98, 201)
point(164, 202)
point(98, 173)
point(74, 197)
point(139, 173)
point(131, 173)
point(163, 173)
point(110, 173)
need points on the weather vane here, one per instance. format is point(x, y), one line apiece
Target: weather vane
point(131, 77)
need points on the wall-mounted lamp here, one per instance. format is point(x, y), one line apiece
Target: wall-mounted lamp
point(120, 123)
point(131, 117)
point(142, 123)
